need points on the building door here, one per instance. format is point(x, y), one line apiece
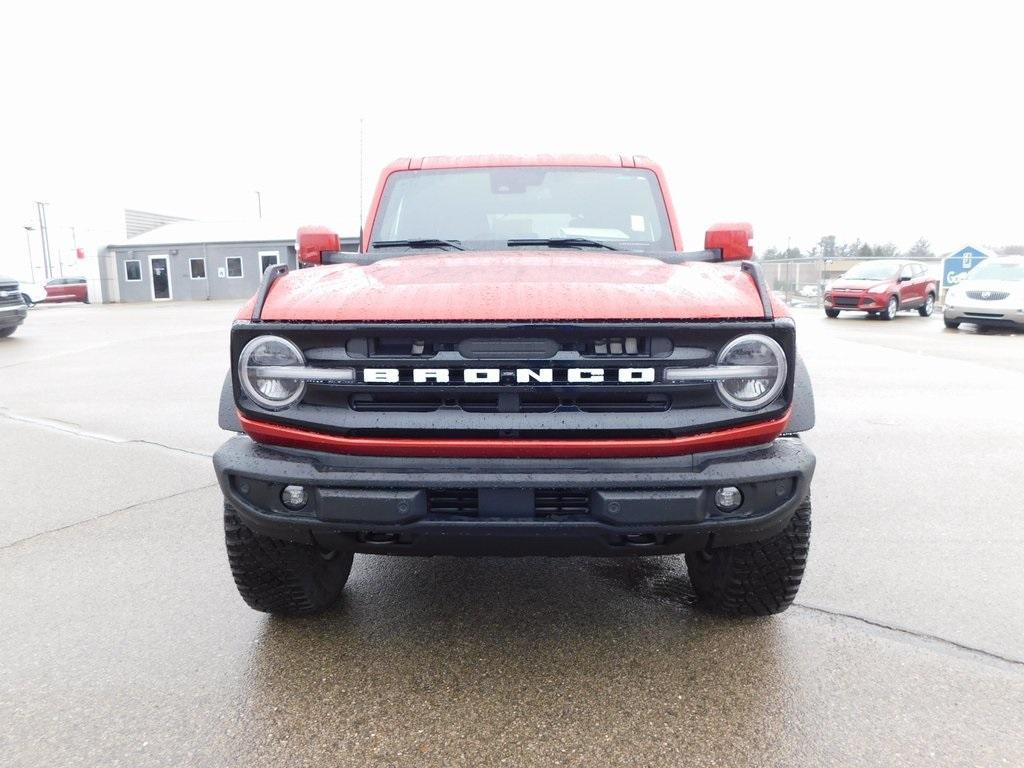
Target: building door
point(267, 259)
point(161, 277)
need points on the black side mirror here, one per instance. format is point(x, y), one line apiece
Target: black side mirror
point(904, 278)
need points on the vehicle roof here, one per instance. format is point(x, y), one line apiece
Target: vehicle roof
point(439, 162)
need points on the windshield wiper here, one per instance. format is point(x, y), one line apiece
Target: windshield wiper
point(422, 243)
point(562, 242)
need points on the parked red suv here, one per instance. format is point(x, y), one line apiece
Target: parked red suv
point(883, 287)
point(67, 289)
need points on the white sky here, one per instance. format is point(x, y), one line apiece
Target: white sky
point(876, 121)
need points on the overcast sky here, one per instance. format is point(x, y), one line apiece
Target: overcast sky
point(876, 121)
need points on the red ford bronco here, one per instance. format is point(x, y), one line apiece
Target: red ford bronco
point(520, 360)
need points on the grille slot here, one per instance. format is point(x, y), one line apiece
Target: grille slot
point(454, 501)
point(400, 403)
point(551, 502)
point(653, 403)
point(845, 301)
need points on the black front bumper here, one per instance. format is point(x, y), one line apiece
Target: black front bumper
point(13, 315)
point(388, 505)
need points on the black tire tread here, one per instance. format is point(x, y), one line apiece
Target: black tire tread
point(282, 577)
point(923, 309)
point(756, 579)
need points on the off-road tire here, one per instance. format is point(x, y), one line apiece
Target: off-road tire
point(889, 313)
point(282, 577)
point(926, 309)
point(756, 579)
point(5, 332)
point(833, 313)
point(954, 324)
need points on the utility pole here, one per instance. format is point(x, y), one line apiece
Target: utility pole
point(360, 219)
point(44, 239)
point(28, 243)
point(259, 204)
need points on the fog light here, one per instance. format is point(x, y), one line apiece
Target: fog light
point(294, 496)
point(728, 498)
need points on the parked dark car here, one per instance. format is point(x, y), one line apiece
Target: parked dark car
point(883, 287)
point(67, 289)
point(12, 307)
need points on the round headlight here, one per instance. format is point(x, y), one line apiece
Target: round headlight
point(758, 355)
point(256, 365)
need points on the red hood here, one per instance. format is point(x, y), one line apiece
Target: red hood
point(514, 286)
point(856, 285)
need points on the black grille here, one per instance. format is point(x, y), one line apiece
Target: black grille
point(549, 503)
point(541, 403)
point(465, 502)
point(9, 294)
point(454, 501)
point(987, 295)
point(845, 301)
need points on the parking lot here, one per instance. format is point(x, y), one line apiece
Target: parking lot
point(124, 641)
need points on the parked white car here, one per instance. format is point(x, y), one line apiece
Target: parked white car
point(32, 293)
point(991, 295)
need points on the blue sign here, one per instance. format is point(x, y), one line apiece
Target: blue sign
point(956, 266)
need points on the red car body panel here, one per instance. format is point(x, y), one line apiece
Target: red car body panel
point(734, 437)
point(502, 161)
point(514, 286)
point(66, 291)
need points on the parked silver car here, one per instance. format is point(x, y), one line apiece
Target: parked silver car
point(991, 295)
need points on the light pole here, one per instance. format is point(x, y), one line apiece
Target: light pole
point(44, 239)
point(28, 243)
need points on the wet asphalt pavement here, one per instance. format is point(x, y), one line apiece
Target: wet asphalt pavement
point(123, 642)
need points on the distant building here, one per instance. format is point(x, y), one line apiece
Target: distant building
point(196, 261)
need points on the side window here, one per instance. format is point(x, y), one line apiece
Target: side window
point(919, 270)
point(197, 268)
point(907, 271)
point(234, 265)
point(133, 271)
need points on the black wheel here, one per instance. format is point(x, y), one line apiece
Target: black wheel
point(890, 309)
point(756, 579)
point(282, 577)
point(954, 324)
point(928, 307)
point(833, 313)
point(5, 332)
point(28, 300)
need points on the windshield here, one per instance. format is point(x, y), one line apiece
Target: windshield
point(997, 270)
point(486, 207)
point(877, 270)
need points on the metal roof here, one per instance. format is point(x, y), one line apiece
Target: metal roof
point(195, 232)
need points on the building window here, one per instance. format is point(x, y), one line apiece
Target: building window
point(234, 265)
point(133, 271)
point(198, 268)
point(268, 259)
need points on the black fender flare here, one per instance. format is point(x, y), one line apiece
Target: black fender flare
point(801, 418)
point(227, 413)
